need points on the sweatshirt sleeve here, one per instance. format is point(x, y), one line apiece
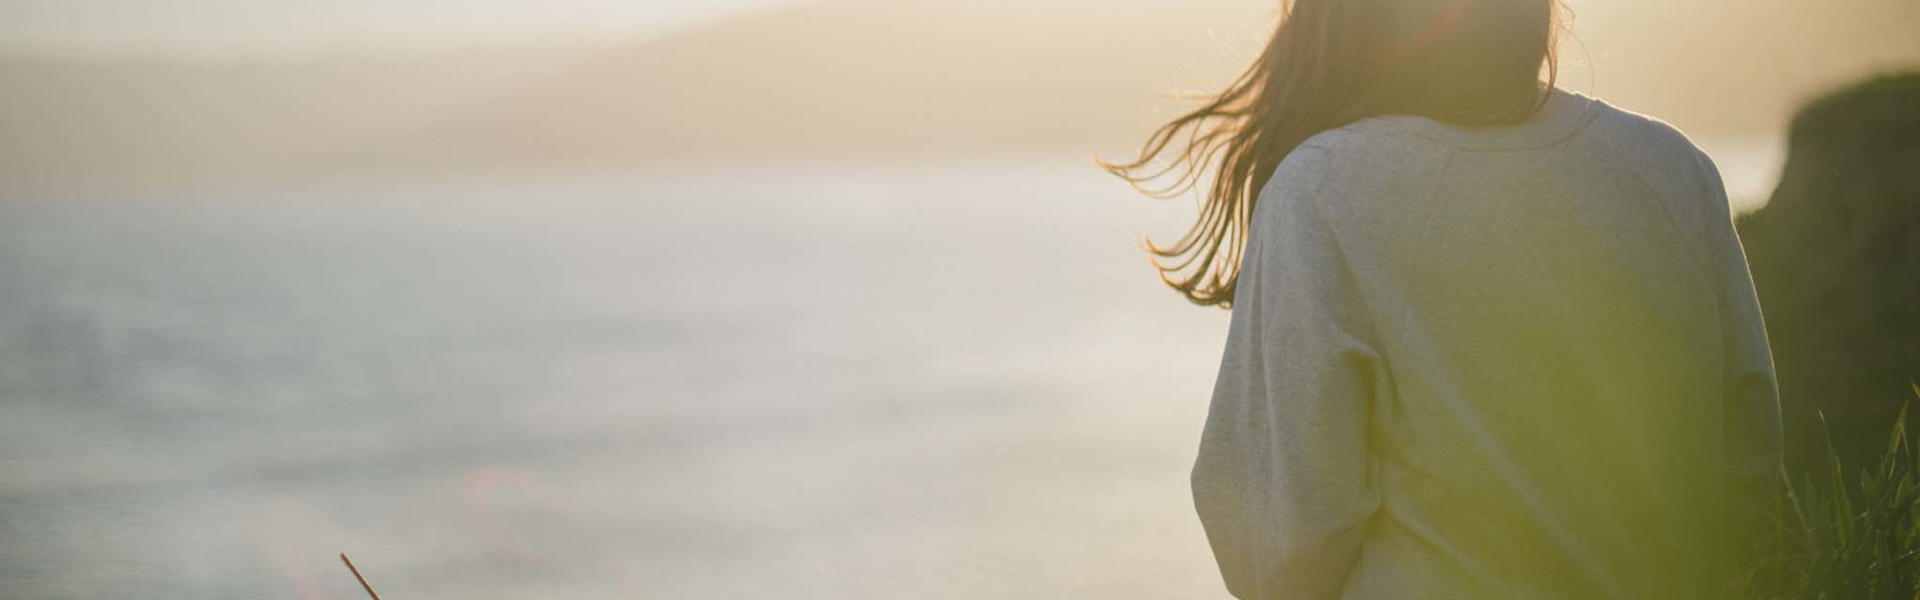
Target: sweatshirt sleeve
point(1281, 482)
point(1752, 404)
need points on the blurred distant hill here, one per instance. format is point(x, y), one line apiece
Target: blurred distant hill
point(841, 79)
point(873, 78)
point(67, 121)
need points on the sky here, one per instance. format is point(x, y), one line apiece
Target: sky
point(222, 27)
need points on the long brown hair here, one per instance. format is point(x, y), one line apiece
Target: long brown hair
point(1330, 63)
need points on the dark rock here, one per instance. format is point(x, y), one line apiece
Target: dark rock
point(1836, 258)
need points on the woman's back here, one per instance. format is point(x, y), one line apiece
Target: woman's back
point(1518, 362)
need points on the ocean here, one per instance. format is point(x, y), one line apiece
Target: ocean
point(955, 381)
point(888, 381)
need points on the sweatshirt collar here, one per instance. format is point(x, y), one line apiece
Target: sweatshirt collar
point(1563, 115)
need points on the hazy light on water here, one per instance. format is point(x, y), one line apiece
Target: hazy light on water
point(1749, 166)
point(947, 382)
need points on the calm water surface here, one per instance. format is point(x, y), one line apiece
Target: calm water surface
point(955, 382)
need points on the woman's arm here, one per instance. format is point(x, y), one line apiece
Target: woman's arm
point(1281, 482)
point(1752, 402)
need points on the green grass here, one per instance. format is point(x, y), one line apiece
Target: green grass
point(1849, 533)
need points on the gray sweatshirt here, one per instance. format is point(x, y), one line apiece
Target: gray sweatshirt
point(1514, 362)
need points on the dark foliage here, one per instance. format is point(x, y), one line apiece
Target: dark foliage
point(1836, 258)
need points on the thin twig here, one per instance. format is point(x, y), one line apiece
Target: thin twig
point(356, 575)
